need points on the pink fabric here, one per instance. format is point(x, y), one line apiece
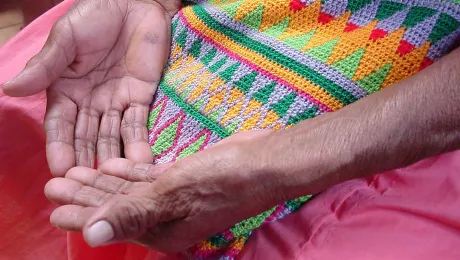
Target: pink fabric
point(412, 213)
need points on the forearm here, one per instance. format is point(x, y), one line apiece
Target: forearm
point(407, 122)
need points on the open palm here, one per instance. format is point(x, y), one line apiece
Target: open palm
point(101, 66)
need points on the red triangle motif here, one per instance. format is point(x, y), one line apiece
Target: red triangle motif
point(425, 63)
point(296, 5)
point(325, 18)
point(377, 34)
point(351, 27)
point(405, 47)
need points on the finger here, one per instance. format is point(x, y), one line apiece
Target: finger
point(103, 182)
point(66, 191)
point(59, 124)
point(135, 172)
point(71, 217)
point(86, 131)
point(123, 218)
point(108, 141)
point(48, 65)
point(135, 135)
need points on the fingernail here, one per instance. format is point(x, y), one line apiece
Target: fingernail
point(99, 234)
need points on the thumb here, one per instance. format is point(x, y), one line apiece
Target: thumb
point(48, 65)
point(123, 218)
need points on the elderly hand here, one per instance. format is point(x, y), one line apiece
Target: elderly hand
point(166, 207)
point(100, 67)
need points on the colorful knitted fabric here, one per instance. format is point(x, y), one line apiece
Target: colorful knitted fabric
point(238, 65)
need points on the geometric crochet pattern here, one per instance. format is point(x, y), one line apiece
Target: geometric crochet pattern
point(238, 65)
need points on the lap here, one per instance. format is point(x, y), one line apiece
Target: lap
point(393, 215)
point(412, 213)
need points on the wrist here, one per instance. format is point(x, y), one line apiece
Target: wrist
point(313, 155)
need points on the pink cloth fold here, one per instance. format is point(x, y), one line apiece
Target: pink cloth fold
point(412, 213)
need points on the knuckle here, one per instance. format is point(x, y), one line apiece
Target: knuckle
point(112, 140)
point(89, 111)
point(130, 174)
point(146, 171)
point(98, 180)
point(131, 124)
point(83, 143)
point(102, 199)
point(112, 113)
point(124, 188)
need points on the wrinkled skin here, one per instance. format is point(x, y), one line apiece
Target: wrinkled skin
point(166, 207)
point(100, 67)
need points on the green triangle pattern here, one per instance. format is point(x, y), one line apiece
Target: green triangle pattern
point(323, 52)
point(166, 138)
point(445, 25)
point(245, 83)
point(209, 56)
point(387, 9)
point(215, 115)
point(198, 105)
point(193, 148)
point(350, 64)
point(283, 105)
point(233, 127)
point(372, 83)
point(228, 73)
point(298, 42)
point(309, 113)
point(276, 30)
point(182, 39)
point(195, 51)
point(170, 75)
point(175, 82)
point(231, 9)
point(216, 66)
point(254, 18)
point(355, 5)
point(186, 91)
point(153, 115)
point(262, 95)
point(416, 15)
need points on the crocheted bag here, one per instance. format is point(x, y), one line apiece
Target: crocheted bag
point(237, 65)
